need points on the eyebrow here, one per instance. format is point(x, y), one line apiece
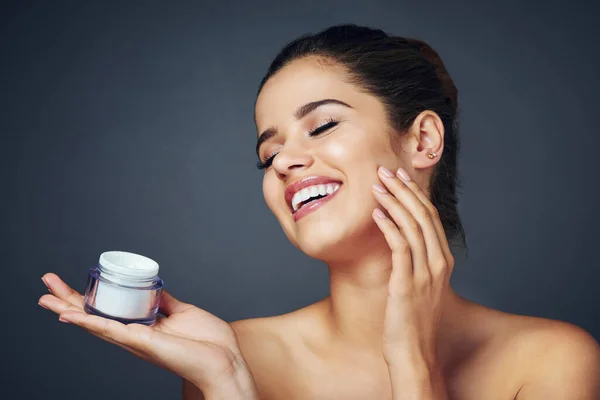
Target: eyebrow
point(300, 113)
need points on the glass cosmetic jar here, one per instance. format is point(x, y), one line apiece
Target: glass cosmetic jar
point(124, 287)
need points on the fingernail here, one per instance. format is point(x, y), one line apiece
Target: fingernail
point(61, 319)
point(403, 175)
point(42, 305)
point(45, 283)
point(386, 172)
point(379, 188)
point(379, 213)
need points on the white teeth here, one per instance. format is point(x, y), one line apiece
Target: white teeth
point(305, 193)
point(313, 191)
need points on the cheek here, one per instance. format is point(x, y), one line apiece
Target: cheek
point(270, 191)
point(358, 153)
point(274, 198)
point(340, 148)
point(273, 193)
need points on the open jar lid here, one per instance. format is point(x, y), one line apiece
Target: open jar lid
point(129, 264)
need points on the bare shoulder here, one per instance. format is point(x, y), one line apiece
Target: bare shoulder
point(267, 344)
point(263, 350)
point(260, 336)
point(537, 357)
point(275, 333)
point(550, 358)
point(562, 360)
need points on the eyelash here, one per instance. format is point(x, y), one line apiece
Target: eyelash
point(329, 123)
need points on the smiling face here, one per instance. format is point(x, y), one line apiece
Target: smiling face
point(321, 130)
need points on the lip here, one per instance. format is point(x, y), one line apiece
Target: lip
point(305, 182)
point(314, 205)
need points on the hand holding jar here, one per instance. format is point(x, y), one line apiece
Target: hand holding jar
point(188, 341)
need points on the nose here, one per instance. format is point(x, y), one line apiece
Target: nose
point(291, 158)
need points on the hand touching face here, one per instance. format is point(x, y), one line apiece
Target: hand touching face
point(321, 141)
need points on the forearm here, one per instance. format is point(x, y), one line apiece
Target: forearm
point(416, 380)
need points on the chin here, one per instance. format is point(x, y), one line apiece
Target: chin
point(333, 239)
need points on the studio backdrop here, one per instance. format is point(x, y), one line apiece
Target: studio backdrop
point(129, 126)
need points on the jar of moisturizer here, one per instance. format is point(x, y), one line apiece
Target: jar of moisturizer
point(124, 287)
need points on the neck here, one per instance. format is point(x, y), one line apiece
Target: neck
point(355, 309)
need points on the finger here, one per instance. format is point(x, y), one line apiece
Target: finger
point(420, 213)
point(69, 314)
point(443, 252)
point(59, 306)
point(402, 264)
point(129, 336)
point(411, 230)
point(53, 303)
point(61, 290)
point(170, 305)
point(107, 328)
point(141, 340)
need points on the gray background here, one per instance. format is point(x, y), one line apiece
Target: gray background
point(129, 126)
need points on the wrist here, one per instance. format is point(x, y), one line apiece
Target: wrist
point(417, 379)
point(237, 385)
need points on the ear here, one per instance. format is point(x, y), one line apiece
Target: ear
point(426, 138)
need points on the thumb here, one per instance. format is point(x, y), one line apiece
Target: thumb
point(170, 305)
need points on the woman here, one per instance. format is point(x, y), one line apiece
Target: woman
point(358, 140)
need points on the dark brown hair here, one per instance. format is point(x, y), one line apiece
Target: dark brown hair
point(409, 77)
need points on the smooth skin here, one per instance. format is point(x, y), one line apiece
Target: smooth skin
point(188, 341)
point(392, 326)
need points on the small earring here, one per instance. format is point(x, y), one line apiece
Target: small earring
point(432, 155)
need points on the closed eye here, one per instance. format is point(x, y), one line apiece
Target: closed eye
point(330, 123)
point(267, 163)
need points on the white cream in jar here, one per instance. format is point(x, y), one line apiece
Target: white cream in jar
point(125, 287)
